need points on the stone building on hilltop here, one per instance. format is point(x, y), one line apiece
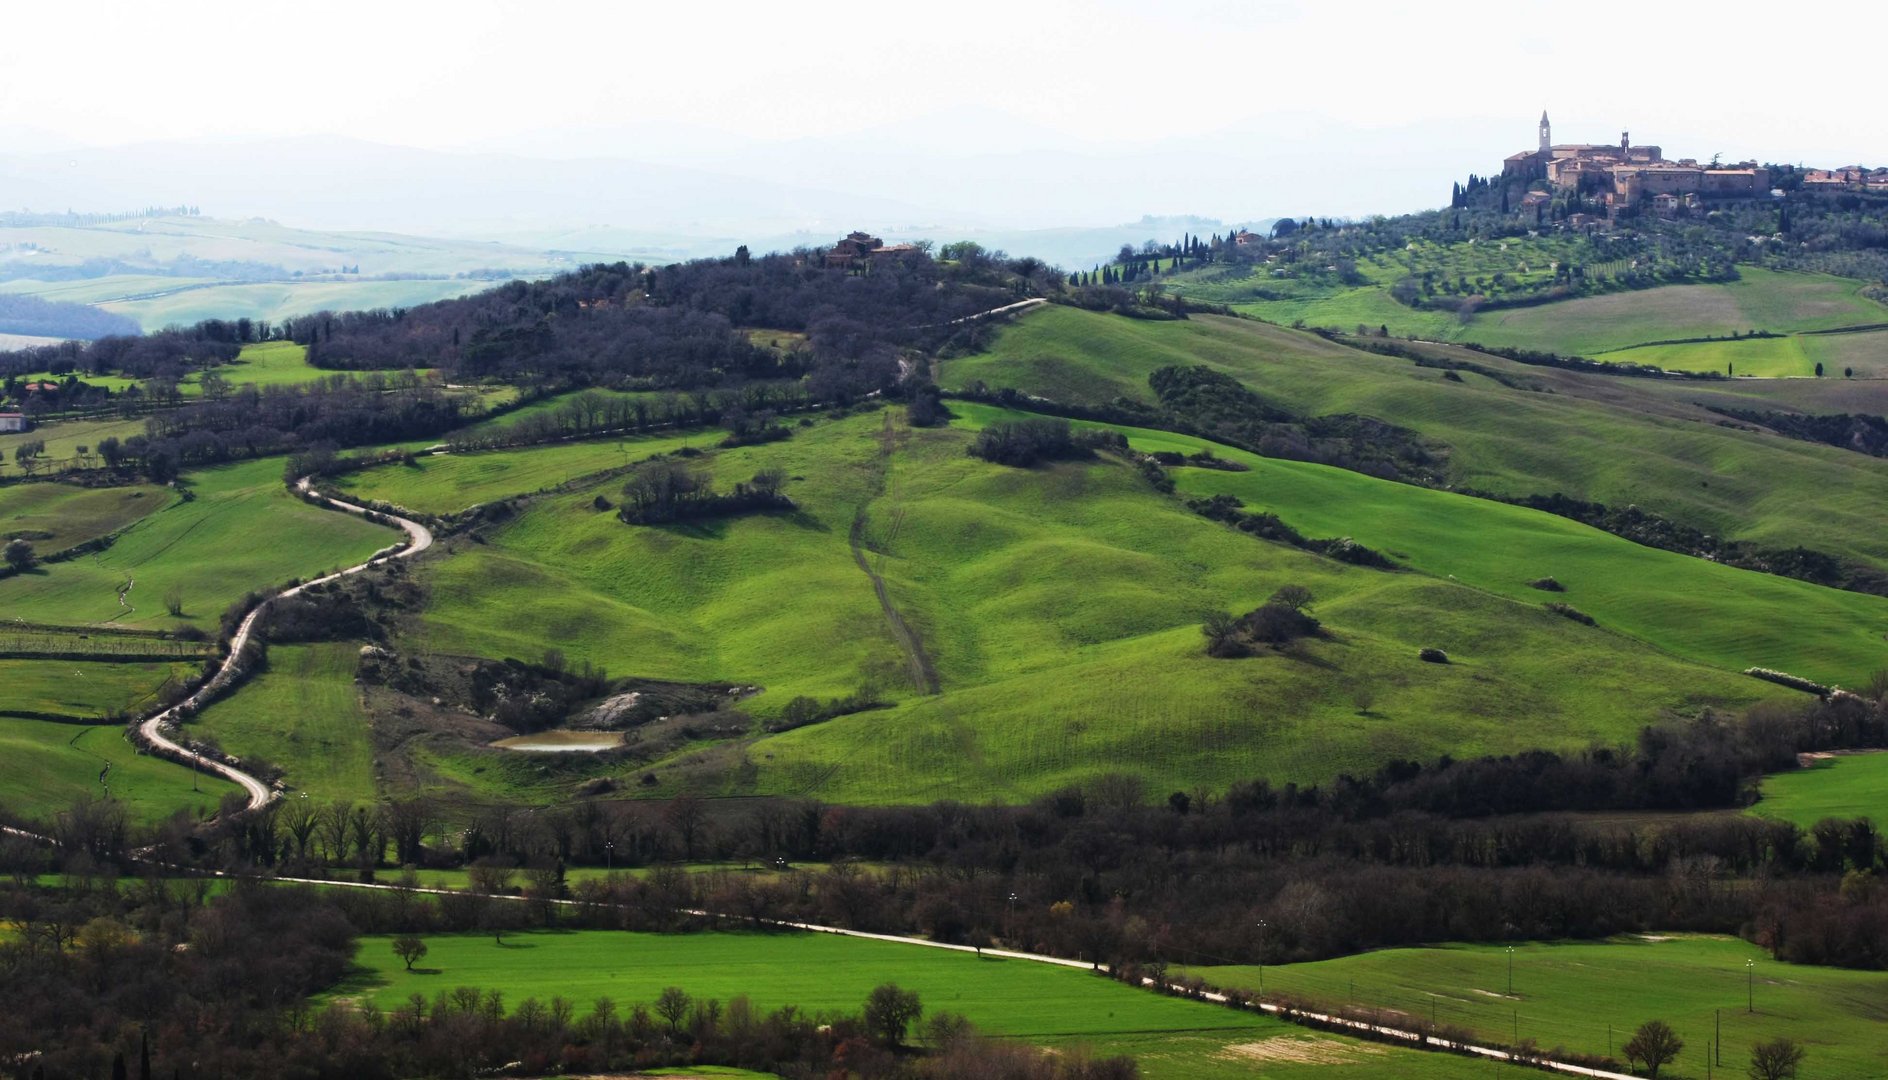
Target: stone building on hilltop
point(1629, 177)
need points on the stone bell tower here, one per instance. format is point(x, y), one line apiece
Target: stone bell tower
point(1547, 136)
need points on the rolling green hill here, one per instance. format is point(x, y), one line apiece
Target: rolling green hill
point(58, 516)
point(1525, 431)
point(1059, 608)
point(1842, 786)
point(302, 715)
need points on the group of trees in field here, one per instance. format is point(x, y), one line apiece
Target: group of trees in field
point(1022, 443)
point(667, 490)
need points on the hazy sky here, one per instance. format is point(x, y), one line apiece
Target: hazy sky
point(1403, 79)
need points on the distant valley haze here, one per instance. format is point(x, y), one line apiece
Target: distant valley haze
point(1052, 129)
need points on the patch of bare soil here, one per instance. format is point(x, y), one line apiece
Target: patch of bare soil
point(1299, 1050)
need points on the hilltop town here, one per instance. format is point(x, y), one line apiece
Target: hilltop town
point(1604, 181)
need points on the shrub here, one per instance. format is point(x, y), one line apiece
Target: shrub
point(1568, 611)
point(1547, 584)
point(1433, 656)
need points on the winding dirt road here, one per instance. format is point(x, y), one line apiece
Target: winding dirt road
point(418, 539)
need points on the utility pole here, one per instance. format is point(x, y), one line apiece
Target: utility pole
point(1750, 986)
point(1510, 971)
point(1717, 1036)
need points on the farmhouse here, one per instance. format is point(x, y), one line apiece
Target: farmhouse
point(12, 421)
point(858, 251)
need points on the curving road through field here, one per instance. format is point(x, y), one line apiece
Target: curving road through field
point(418, 539)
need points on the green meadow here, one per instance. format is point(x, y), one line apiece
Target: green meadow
point(271, 363)
point(1689, 607)
point(1587, 996)
point(58, 516)
point(1059, 608)
point(84, 691)
point(1030, 1002)
point(1532, 431)
point(303, 715)
point(1842, 786)
point(1795, 356)
point(446, 482)
point(1608, 326)
point(49, 765)
point(63, 440)
point(241, 531)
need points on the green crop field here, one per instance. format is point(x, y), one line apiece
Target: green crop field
point(1617, 441)
point(1035, 1003)
point(1059, 608)
point(49, 765)
point(1842, 786)
point(241, 531)
point(443, 483)
point(83, 690)
point(1568, 994)
point(59, 516)
point(303, 715)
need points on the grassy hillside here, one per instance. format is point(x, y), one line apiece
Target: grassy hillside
point(241, 531)
point(59, 516)
point(83, 691)
point(63, 440)
point(1570, 994)
point(1536, 431)
point(1690, 607)
point(1844, 786)
point(49, 765)
point(1033, 1003)
point(1603, 327)
point(302, 715)
point(1059, 608)
point(443, 483)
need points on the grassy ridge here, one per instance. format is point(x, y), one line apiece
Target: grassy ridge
point(242, 531)
point(278, 300)
point(1618, 441)
point(1030, 1002)
point(56, 516)
point(1690, 607)
point(302, 714)
point(49, 765)
point(1569, 993)
point(1845, 786)
point(443, 483)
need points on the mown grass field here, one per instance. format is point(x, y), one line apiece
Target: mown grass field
point(1843, 786)
point(446, 482)
point(303, 715)
point(1030, 1002)
point(1059, 608)
point(50, 765)
point(82, 690)
point(58, 516)
point(1617, 441)
point(1567, 994)
point(241, 531)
